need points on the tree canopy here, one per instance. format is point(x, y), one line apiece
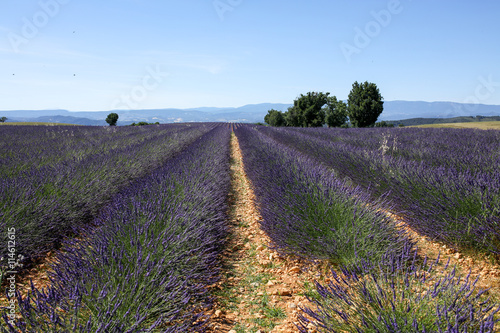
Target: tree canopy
point(307, 110)
point(363, 107)
point(364, 104)
point(275, 118)
point(335, 112)
point(112, 119)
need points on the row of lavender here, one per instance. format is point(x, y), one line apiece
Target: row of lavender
point(148, 263)
point(445, 182)
point(54, 179)
point(309, 212)
point(381, 286)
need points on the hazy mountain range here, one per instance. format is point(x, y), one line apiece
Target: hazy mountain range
point(252, 113)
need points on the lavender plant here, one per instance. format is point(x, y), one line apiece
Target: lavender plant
point(400, 297)
point(147, 265)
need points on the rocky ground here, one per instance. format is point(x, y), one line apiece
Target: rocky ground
point(260, 291)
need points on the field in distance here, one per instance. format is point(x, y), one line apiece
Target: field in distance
point(478, 125)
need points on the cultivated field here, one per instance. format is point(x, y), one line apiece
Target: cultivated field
point(478, 125)
point(242, 228)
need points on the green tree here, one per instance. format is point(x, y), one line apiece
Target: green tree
point(364, 104)
point(3, 119)
point(307, 110)
point(293, 117)
point(275, 118)
point(112, 119)
point(383, 123)
point(335, 112)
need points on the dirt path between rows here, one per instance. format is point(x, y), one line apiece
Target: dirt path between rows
point(259, 291)
point(263, 292)
point(481, 267)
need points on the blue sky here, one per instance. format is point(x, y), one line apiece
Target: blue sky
point(89, 55)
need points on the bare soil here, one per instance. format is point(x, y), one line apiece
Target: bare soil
point(483, 267)
point(260, 291)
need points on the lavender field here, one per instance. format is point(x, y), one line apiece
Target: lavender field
point(54, 180)
point(138, 217)
point(445, 182)
point(322, 194)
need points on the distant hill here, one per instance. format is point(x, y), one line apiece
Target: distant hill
point(70, 120)
point(252, 113)
point(397, 110)
point(245, 114)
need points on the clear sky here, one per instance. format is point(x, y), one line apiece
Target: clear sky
point(90, 55)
